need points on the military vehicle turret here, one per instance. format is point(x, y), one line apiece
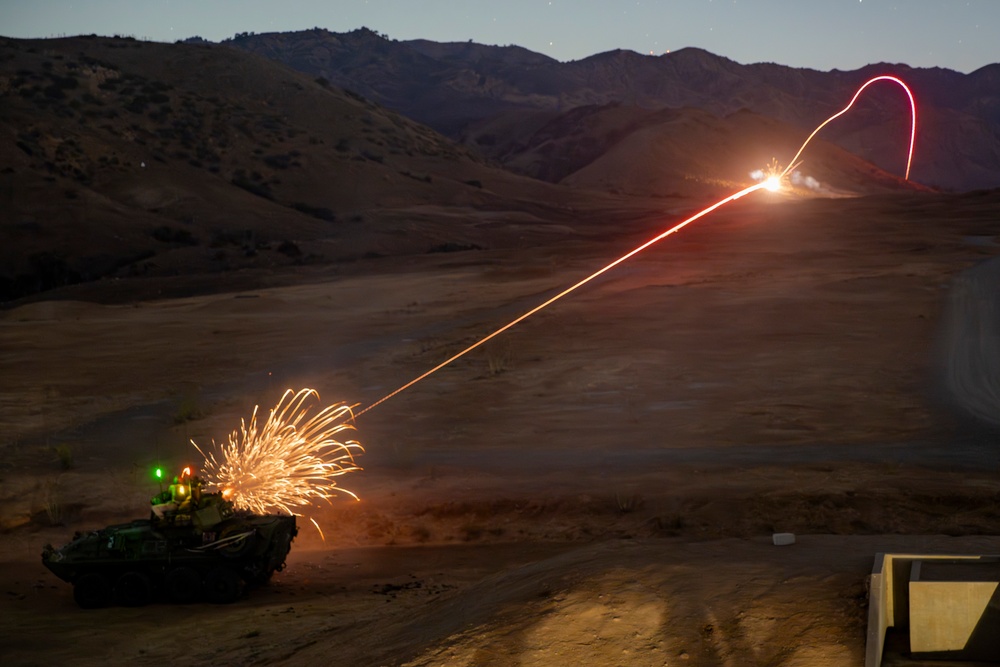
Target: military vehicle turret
point(193, 547)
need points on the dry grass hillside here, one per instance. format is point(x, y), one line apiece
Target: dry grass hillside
point(128, 159)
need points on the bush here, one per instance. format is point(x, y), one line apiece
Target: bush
point(320, 212)
point(166, 234)
point(64, 82)
point(188, 408)
point(54, 92)
point(51, 270)
point(423, 178)
point(261, 190)
point(278, 161)
point(52, 502)
point(454, 247)
point(290, 249)
point(64, 456)
point(137, 104)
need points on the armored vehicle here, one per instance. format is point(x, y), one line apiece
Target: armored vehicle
point(198, 549)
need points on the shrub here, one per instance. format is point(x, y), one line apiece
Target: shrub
point(423, 178)
point(55, 510)
point(499, 355)
point(64, 82)
point(188, 408)
point(320, 212)
point(279, 161)
point(261, 190)
point(64, 456)
point(454, 247)
point(137, 104)
point(166, 234)
point(51, 270)
point(290, 249)
point(54, 92)
point(629, 503)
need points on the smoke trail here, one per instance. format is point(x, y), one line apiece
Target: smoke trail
point(798, 179)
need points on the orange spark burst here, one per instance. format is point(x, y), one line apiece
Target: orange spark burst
point(770, 177)
point(289, 462)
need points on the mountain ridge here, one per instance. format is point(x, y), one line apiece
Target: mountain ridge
point(453, 86)
point(174, 165)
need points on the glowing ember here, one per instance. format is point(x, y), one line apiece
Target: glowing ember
point(289, 462)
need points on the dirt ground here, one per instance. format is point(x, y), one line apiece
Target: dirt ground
point(598, 486)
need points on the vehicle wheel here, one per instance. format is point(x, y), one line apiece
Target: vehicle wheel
point(182, 585)
point(223, 585)
point(133, 589)
point(239, 547)
point(92, 591)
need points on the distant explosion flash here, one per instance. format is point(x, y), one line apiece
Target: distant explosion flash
point(769, 178)
point(289, 462)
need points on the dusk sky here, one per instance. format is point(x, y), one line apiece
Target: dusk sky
point(819, 34)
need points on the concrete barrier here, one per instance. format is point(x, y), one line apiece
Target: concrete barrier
point(955, 609)
point(935, 598)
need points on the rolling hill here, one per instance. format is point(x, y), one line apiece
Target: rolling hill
point(133, 159)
